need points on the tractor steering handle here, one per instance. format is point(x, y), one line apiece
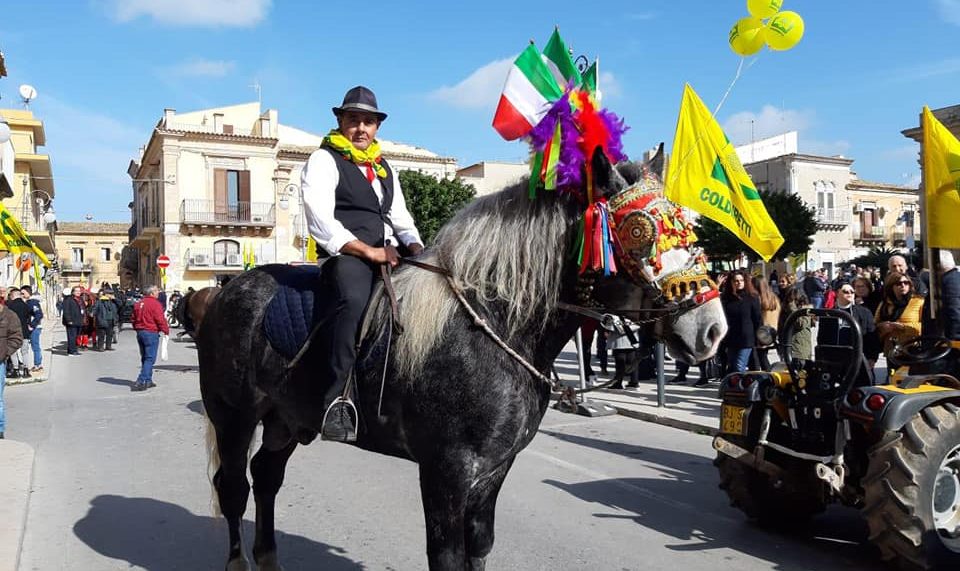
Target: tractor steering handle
point(786, 336)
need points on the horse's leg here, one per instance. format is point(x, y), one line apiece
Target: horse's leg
point(444, 487)
point(478, 523)
point(267, 468)
point(233, 442)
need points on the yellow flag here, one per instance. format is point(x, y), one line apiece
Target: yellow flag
point(941, 183)
point(14, 239)
point(707, 177)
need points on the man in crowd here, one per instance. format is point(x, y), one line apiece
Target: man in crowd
point(815, 286)
point(73, 318)
point(11, 338)
point(356, 212)
point(950, 295)
point(34, 326)
point(105, 317)
point(149, 322)
point(898, 263)
point(18, 306)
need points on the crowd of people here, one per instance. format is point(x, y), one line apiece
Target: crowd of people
point(890, 307)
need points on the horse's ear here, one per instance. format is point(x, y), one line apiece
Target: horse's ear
point(606, 180)
point(656, 163)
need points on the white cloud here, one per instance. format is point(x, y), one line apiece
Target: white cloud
point(950, 10)
point(480, 90)
point(207, 13)
point(200, 67)
point(902, 153)
point(609, 85)
point(641, 16)
point(96, 145)
point(748, 126)
point(825, 148)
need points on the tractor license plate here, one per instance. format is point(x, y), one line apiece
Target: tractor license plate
point(731, 419)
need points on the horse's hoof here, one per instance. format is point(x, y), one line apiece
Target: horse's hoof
point(238, 564)
point(269, 563)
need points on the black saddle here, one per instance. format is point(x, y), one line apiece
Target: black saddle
point(295, 308)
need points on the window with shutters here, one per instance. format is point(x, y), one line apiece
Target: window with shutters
point(231, 193)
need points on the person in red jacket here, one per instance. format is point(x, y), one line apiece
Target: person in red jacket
point(149, 322)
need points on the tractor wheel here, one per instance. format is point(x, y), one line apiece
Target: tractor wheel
point(912, 491)
point(783, 504)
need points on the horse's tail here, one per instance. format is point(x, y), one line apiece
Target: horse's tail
point(213, 466)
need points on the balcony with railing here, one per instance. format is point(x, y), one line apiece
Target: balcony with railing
point(832, 218)
point(72, 266)
point(899, 235)
point(871, 234)
point(212, 213)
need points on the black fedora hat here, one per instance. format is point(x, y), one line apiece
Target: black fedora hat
point(360, 99)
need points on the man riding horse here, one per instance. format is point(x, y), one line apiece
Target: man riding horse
point(357, 215)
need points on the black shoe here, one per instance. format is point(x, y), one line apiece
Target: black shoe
point(25, 373)
point(338, 422)
point(138, 387)
point(150, 384)
point(616, 385)
point(701, 383)
point(678, 380)
point(633, 385)
point(1, 436)
point(14, 374)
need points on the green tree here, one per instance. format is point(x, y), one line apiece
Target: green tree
point(432, 202)
point(796, 221)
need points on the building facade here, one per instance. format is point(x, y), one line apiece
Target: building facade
point(852, 215)
point(90, 253)
point(212, 185)
point(488, 177)
point(27, 187)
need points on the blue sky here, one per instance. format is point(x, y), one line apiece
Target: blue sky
point(106, 69)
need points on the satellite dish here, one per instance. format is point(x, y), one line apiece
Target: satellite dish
point(28, 93)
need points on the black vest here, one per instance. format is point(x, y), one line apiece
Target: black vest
point(356, 202)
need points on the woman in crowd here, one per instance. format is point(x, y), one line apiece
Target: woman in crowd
point(792, 299)
point(898, 317)
point(865, 294)
point(833, 331)
point(741, 305)
point(769, 316)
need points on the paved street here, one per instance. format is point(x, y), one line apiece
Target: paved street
point(120, 483)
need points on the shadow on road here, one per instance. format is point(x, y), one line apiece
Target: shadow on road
point(115, 381)
point(682, 505)
point(195, 406)
point(155, 535)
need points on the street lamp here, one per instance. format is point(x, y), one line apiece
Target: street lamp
point(46, 207)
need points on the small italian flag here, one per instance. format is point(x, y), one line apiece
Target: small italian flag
point(527, 95)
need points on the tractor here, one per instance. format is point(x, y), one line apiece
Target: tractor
point(813, 432)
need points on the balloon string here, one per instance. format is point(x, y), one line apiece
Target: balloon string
point(740, 70)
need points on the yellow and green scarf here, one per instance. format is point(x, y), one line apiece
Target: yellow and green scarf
point(370, 157)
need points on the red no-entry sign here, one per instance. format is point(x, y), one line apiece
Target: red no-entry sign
point(163, 261)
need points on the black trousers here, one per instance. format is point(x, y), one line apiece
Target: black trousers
point(105, 337)
point(348, 282)
point(72, 332)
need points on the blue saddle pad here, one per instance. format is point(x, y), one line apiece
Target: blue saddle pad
point(291, 313)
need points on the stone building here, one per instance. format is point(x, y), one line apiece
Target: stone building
point(27, 186)
point(213, 184)
point(852, 215)
point(488, 177)
point(90, 253)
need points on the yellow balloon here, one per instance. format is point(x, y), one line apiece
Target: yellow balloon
point(746, 36)
point(763, 9)
point(784, 31)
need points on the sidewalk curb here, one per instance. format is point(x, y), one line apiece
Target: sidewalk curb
point(666, 421)
point(17, 460)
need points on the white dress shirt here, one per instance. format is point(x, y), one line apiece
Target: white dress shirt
point(319, 182)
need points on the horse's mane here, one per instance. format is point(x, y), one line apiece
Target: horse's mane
point(504, 249)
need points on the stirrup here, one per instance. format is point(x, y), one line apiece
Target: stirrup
point(340, 432)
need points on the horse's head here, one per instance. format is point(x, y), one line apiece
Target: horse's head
point(661, 273)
